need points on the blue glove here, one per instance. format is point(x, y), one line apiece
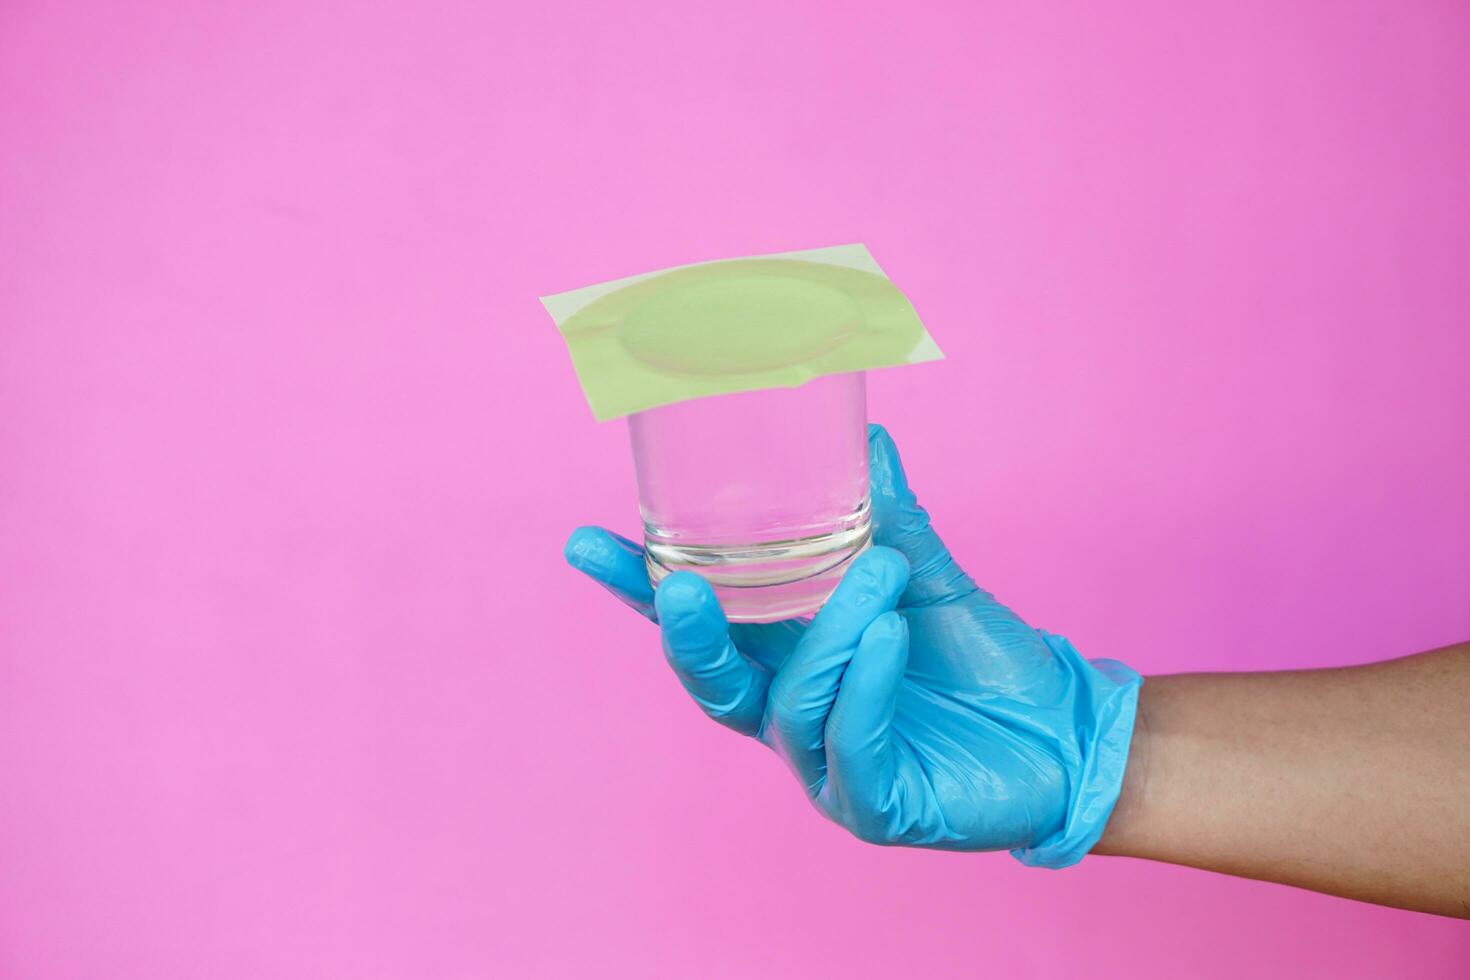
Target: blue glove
point(914, 708)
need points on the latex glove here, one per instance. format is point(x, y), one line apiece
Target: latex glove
point(914, 708)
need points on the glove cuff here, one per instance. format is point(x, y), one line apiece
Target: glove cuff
point(1106, 703)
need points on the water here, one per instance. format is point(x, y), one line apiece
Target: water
point(764, 493)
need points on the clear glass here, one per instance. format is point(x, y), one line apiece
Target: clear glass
point(764, 493)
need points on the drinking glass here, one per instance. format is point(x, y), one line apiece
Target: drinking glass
point(763, 493)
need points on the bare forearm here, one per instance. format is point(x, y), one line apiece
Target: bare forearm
point(1353, 781)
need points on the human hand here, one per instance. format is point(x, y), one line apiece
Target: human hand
point(914, 708)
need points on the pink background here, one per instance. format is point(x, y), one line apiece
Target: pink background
point(293, 681)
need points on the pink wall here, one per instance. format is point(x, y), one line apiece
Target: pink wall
point(293, 681)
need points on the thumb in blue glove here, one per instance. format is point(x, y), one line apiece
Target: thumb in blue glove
point(914, 708)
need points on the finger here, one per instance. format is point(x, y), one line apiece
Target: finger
point(900, 523)
point(729, 688)
point(805, 688)
point(613, 562)
point(860, 765)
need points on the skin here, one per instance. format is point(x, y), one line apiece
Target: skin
point(1352, 781)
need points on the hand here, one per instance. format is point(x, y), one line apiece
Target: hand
point(914, 708)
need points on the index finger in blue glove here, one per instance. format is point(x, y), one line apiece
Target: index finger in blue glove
point(618, 565)
point(696, 636)
point(804, 689)
point(900, 523)
point(613, 562)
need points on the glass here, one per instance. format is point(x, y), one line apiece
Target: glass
point(763, 493)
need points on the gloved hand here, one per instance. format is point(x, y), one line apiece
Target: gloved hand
point(914, 708)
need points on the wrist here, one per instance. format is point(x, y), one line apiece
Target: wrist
point(1103, 710)
point(1127, 815)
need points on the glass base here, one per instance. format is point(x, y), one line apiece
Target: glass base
point(766, 581)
